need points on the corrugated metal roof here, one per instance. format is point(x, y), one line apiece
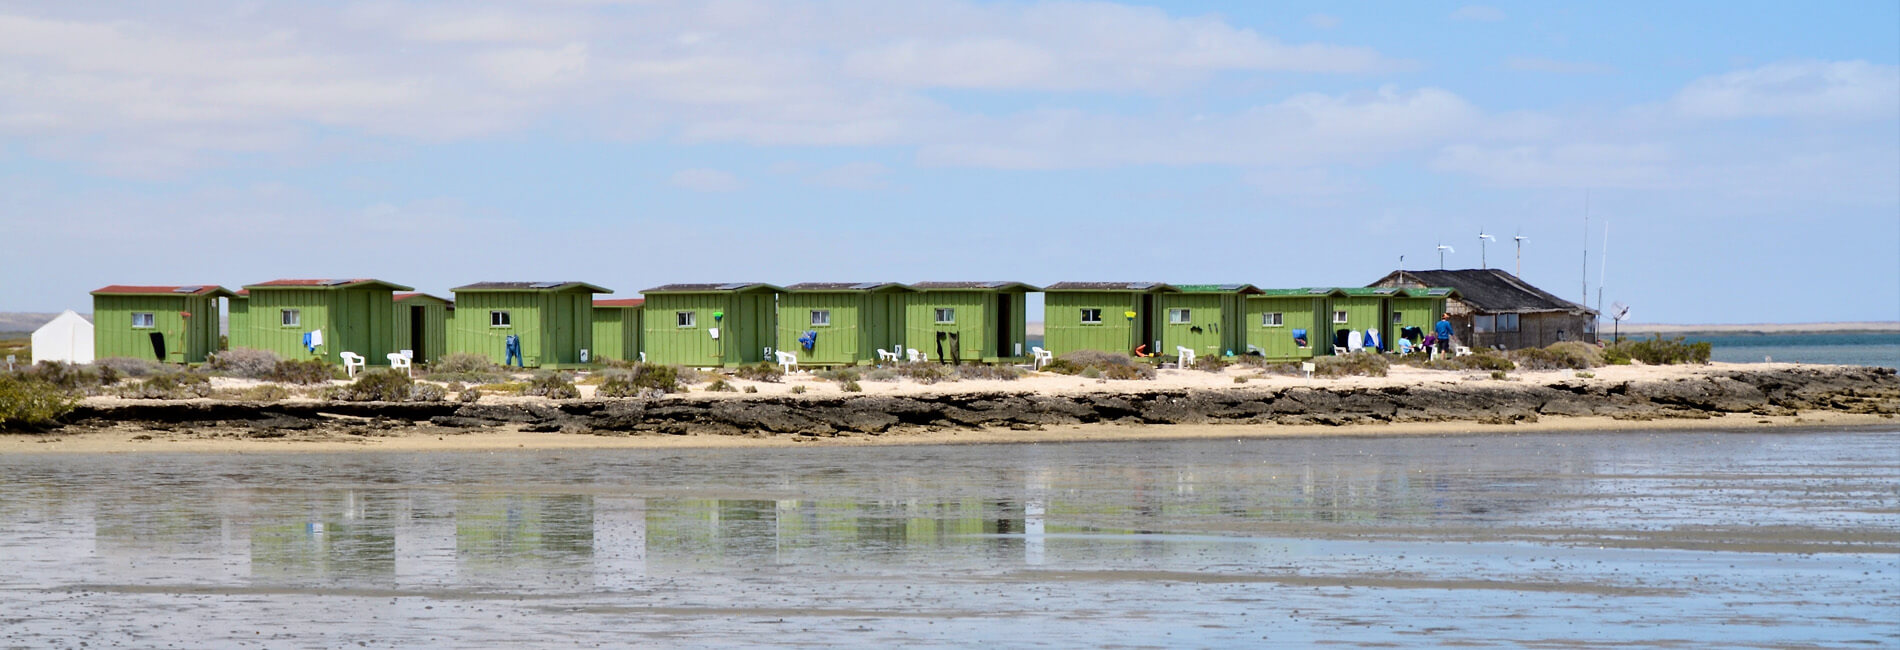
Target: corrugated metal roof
point(325, 283)
point(532, 286)
point(1369, 292)
point(178, 289)
point(1110, 286)
point(1217, 288)
point(973, 286)
point(621, 302)
point(399, 297)
point(1491, 290)
point(713, 287)
point(845, 286)
point(1303, 292)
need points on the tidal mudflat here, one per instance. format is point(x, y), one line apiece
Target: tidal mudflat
point(1676, 539)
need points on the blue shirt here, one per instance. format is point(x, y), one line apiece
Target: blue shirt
point(1443, 329)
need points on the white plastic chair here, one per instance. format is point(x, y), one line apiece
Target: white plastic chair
point(1187, 355)
point(643, 357)
point(886, 355)
point(915, 355)
point(1461, 351)
point(1042, 357)
point(787, 360)
point(352, 361)
point(1339, 351)
point(400, 361)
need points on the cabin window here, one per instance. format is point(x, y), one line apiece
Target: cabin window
point(143, 320)
point(290, 317)
point(1179, 316)
point(1272, 319)
point(1339, 315)
point(685, 319)
point(1398, 318)
point(1484, 324)
point(1092, 316)
point(499, 318)
point(946, 316)
point(820, 317)
point(1507, 322)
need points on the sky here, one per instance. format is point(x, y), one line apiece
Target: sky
point(1735, 162)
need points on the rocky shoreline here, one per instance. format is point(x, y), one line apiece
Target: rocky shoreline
point(1772, 392)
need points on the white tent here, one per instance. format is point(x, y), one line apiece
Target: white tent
point(68, 338)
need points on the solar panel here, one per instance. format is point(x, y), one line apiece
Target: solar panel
point(332, 283)
point(545, 285)
point(734, 285)
point(1318, 291)
point(187, 289)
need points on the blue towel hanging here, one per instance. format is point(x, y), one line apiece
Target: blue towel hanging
point(1299, 338)
point(809, 340)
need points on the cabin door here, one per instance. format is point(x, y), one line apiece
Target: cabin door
point(1004, 344)
point(417, 317)
point(1145, 330)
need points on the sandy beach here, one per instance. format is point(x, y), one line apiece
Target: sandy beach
point(358, 433)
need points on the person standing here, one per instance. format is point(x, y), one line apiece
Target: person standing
point(1442, 331)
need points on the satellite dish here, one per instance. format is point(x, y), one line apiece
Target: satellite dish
point(1619, 311)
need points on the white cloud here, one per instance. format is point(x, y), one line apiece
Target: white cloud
point(1806, 89)
point(1570, 165)
point(706, 180)
point(1323, 21)
point(1553, 66)
point(1477, 13)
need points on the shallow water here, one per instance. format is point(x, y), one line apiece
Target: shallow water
point(1678, 539)
point(1843, 348)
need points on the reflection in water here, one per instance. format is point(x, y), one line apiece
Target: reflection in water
point(1143, 543)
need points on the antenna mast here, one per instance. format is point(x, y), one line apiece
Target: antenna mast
point(1603, 267)
point(1585, 275)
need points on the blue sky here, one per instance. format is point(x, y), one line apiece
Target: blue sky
point(1744, 156)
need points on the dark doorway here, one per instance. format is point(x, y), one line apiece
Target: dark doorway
point(1004, 343)
point(1145, 330)
point(417, 318)
point(158, 346)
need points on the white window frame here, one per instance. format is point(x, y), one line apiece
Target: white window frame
point(1341, 316)
point(1091, 316)
point(1483, 323)
point(1180, 316)
point(821, 318)
point(684, 319)
point(290, 317)
point(144, 320)
point(1398, 318)
point(946, 315)
point(1273, 319)
point(500, 318)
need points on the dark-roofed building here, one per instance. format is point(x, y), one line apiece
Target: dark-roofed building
point(1104, 316)
point(710, 324)
point(552, 322)
point(968, 321)
point(1493, 308)
point(841, 323)
point(319, 319)
point(170, 323)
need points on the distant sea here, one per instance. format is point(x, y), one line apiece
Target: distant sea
point(1852, 348)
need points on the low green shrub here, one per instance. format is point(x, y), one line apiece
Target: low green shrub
point(129, 366)
point(839, 374)
point(244, 362)
point(73, 378)
point(377, 386)
point(467, 367)
point(1499, 375)
point(1109, 365)
point(752, 389)
point(639, 378)
point(468, 395)
point(924, 372)
point(171, 385)
point(882, 374)
point(850, 386)
point(1486, 360)
point(1566, 355)
point(762, 371)
point(720, 385)
point(1658, 351)
point(265, 393)
point(552, 385)
point(1368, 364)
point(798, 389)
point(304, 371)
point(981, 372)
point(28, 404)
point(1209, 363)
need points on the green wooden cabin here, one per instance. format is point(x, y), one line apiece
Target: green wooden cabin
point(171, 323)
point(554, 320)
point(237, 314)
point(422, 325)
point(987, 317)
point(1104, 316)
point(354, 315)
point(710, 325)
point(617, 325)
point(1416, 307)
point(1273, 316)
point(1205, 318)
point(1360, 309)
point(851, 321)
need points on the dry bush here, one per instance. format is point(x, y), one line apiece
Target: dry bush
point(552, 385)
point(639, 378)
point(128, 366)
point(761, 371)
point(1209, 363)
point(174, 385)
point(1369, 364)
point(925, 372)
point(306, 371)
point(376, 386)
point(28, 404)
point(1107, 365)
point(245, 362)
point(1566, 355)
point(265, 393)
point(979, 372)
point(424, 392)
point(467, 367)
